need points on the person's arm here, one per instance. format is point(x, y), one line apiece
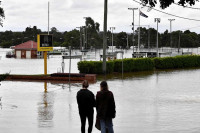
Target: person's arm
point(97, 101)
point(77, 98)
point(93, 100)
point(113, 105)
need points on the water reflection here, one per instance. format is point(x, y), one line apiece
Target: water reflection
point(45, 109)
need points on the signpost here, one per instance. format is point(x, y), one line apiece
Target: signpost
point(45, 43)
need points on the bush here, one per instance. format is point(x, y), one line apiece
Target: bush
point(94, 67)
point(130, 65)
point(177, 62)
point(140, 64)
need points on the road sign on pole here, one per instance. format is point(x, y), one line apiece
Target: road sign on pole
point(45, 43)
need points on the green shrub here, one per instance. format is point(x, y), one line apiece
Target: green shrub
point(140, 64)
point(177, 62)
point(94, 67)
point(130, 65)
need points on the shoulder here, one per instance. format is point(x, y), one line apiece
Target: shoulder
point(99, 92)
point(110, 93)
point(90, 92)
point(79, 92)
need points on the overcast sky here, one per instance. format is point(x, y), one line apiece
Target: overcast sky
point(65, 15)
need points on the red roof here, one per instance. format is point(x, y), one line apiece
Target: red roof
point(27, 45)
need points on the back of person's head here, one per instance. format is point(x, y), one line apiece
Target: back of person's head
point(85, 84)
point(104, 85)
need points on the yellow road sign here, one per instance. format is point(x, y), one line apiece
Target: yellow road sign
point(44, 42)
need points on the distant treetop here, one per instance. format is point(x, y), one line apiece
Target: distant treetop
point(2, 15)
point(166, 3)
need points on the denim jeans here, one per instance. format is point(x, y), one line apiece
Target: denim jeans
point(106, 124)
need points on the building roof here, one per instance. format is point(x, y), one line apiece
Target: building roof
point(30, 45)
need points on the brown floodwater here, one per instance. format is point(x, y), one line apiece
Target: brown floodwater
point(165, 101)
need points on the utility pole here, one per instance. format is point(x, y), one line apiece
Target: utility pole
point(112, 28)
point(158, 21)
point(133, 9)
point(105, 35)
point(171, 32)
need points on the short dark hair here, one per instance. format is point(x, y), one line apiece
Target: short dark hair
point(104, 85)
point(85, 84)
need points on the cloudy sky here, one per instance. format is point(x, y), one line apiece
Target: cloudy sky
point(65, 15)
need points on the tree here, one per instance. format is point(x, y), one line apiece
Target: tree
point(58, 37)
point(165, 39)
point(166, 3)
point(92, 32)
point(72, 39)
point(2, 15)
point(31, 33)
point(121, 40)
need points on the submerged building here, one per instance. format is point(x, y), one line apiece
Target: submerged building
point(27, 50)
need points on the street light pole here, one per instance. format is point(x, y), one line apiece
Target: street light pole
point(158, 21)
point(149, 37)
point(133, 9)
point(171, 32)
point(80, 37)
point(127, 41)
point(86, 40)
point(179, 41)
point(112, 28)
point(105, 35)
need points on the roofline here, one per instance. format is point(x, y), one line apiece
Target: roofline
point(25, 48)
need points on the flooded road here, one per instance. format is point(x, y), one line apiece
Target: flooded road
point(147, 102)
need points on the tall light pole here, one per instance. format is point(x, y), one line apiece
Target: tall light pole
point(105, 35)
point(171, 32)
point(133, 9)
point(158, 21)
point(86, 38)
point(112, 28)
point(127, 41)
point(149, 37)
point(80, 36)
point(179, 41)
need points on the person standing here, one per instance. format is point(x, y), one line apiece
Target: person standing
point(105, 105)
point(86, 103)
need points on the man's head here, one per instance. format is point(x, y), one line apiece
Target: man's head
point(85, 84)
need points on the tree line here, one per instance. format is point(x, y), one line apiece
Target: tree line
point(90, 36)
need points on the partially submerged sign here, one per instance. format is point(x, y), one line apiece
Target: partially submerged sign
point(44, 42)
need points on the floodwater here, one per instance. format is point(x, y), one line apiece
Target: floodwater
point(146, 102)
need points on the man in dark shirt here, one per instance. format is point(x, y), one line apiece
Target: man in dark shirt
point(86, 103)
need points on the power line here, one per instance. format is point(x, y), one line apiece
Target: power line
point(167, 13)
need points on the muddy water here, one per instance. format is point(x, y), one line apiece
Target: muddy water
point(147, 102)
point(166, 101)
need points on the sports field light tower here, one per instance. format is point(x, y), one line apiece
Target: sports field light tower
point(133, 9)
point(171, 32)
